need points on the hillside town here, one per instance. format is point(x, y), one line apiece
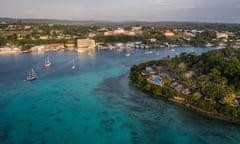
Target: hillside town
point(17, 37)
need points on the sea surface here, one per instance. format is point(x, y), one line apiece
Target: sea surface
point(96, 103)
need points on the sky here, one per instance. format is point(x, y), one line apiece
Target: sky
point(226, 11)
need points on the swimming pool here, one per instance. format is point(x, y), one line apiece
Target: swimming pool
point(156, 79)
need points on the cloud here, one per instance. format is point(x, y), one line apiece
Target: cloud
point(116, 10)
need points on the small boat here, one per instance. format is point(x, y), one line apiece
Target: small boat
point(31, 75)
point(73, 65)
point(148, 52)
point(47, 62)
point(209, 45)
point(128, 54)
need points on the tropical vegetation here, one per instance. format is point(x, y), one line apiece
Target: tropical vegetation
point(211, 79)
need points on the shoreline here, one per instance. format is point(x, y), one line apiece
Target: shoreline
point(204, 112)
point(73, 49)
point(190, 106)
point(30, 51)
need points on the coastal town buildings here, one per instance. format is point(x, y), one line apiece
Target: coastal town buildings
point(85, 44)
point(119, 31)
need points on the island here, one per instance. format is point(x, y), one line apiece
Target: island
point(208, 83)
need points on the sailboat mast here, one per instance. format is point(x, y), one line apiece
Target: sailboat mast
point(29, 74)
point(33, 73)
point(48, 60)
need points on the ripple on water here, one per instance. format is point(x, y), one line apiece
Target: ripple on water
point(58, 120)
point(47, 128)
point(3, 135)
point(66, 140)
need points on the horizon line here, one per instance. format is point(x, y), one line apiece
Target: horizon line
point(123, 21)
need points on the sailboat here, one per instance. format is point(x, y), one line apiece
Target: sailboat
point(31, 75)
point(47, 62)
point(73, 65)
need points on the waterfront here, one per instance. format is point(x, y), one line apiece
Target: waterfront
point(95, 103)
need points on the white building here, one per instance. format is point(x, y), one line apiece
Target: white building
point(37, 48)
point(118, 31)
point(136, 28)
point(222, 35)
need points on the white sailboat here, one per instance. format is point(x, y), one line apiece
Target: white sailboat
point(47, 62)
point(73, 65)
point(31, 75)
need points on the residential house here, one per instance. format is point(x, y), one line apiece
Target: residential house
point(108, 33)
point(168, 33)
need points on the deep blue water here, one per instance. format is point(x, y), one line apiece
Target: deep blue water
point(95, 103)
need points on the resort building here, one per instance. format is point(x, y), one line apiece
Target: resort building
point(85, 44)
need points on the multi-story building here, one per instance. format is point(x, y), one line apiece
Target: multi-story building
point(222, 35)
point(85, 44)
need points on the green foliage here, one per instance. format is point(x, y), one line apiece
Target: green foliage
point(216, 76)
point(118, 38)
point(194, 97)
point(2, 41)
point(202, 38)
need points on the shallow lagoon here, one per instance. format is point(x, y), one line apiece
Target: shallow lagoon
point(95, 103)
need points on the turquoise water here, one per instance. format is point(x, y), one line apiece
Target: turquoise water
point(95, 103)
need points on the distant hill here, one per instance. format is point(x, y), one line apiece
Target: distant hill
point(181, 25)
point(53, 21)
